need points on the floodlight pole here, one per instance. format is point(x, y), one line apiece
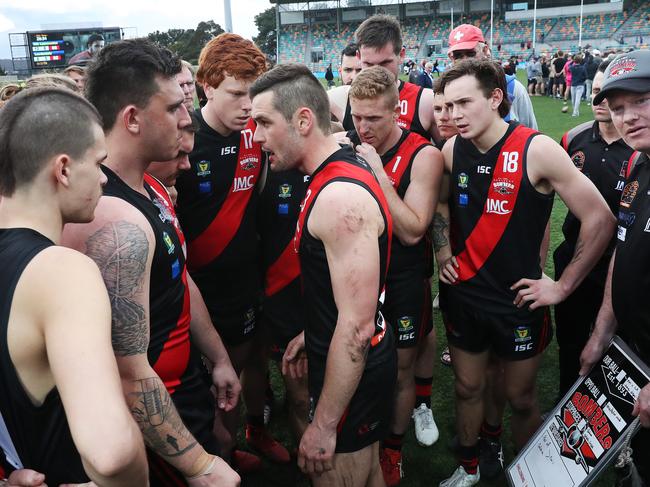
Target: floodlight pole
point(580, 30)
point(452, 17)
point(491, 24)
point(228, 15)
point(534, 25)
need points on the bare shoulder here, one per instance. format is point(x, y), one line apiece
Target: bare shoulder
point(338, 99)
point(448, 153)
point(544, 155)
point(344, 208)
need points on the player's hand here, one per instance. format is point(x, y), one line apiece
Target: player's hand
point(370, 155)
point(227, 384)
point(594, 349)
point(220, 475)
point(316, 450)
point(25, 478)
point(642, 407)
point(448, 271)
point(294, 360)
point(537, 292)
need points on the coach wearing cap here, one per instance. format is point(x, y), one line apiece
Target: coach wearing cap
point(626, 306)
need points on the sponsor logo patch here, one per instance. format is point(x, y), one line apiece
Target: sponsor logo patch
point(284, 191)
point(622, 66)
point(626, 218)
point(249, 163)
point(283, 208)
point(503, 186)
point(405, 323)
point(205, 187)
point(463, 180)
point(463, 199)
point(203, 169)
point(522, 334)
point(629, 192)
point(578, 159)
point(496, 206)
point(169, 243)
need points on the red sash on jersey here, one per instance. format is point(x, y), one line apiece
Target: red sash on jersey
point(343, 170)
point(499, 206)
point(209, 245)
point(408, 104)
point(175, 355)
point(631, 162)
point(283, 271)
point(399, 163)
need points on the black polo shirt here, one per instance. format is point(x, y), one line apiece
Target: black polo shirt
point(604, 164)
point(631, 274)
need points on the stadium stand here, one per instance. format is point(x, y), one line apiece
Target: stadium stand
point(293, 41)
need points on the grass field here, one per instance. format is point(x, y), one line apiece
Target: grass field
point(428, 466)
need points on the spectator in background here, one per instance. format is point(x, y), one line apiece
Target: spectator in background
point(541, 90)
point(186, 80)
point(329, 76)
point(76, 74)
point(567, 75)
point(560, 81)
point(414, 74)
point(578, 79)
point(350, 64)
point(534, 74)
point(425, 80)
point(435, 69)
point(591, 65)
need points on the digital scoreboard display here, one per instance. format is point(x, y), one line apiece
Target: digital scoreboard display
point(48, 49)
point(56, 49)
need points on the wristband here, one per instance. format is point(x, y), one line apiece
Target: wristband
point(203, 465)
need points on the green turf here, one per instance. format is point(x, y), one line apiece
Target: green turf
point(428, 466)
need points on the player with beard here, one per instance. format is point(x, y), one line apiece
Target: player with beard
point(135, 243)
point(379, 43)
point(350, 64)
point(494, 296)
point(343, 238)
point(217, 208)
point(409, 170)
point(625, 86)
point(596, 149)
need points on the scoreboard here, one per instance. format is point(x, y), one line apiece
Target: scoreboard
point(53, 49)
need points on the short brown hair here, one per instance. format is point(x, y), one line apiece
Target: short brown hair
point(294, 86)
point(379, 30)
point(40, 123)
point(229, 54)
point(488, 73)
point(374, 82)
point(74, 68)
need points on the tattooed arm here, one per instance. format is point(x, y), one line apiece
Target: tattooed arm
point(121, 243)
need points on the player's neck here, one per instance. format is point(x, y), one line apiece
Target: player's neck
point(608, 132)
point(390, 141)
point(320, 148)
point(125, 161)
point(214, 122)
point(25, 209)
point(489, 137)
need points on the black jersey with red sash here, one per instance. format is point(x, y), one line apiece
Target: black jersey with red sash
point(279, 208)
point(631, 273)
point(217, 204)
point(170, 352)
point(409, 114)
point(39, 436)
point(321, 311)
point(497, 220)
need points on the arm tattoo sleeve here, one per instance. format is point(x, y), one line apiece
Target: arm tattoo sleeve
point(161, 426)
point(120, 249)
point(440, 224)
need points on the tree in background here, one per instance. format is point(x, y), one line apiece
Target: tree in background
point(267, 36)
point(187, 42)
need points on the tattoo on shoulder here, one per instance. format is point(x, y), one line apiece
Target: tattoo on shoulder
point(120, 249)
point(440, 225)
point(158, 419)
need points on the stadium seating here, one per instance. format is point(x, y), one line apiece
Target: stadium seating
point(293, 40)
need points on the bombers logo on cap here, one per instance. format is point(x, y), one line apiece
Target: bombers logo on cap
point(621, 66)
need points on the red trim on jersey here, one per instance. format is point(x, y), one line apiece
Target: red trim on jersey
point(211, 243)
point(498, 208)
point(565, 141)
point(283, 271)
point(175, 355)
point(408, 95)
point(395, 168)
point(631, 162)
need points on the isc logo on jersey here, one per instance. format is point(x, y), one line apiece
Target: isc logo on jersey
point(243, 183)
point(496, 206)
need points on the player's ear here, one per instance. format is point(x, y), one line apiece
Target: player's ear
point(61, 169)
point(131, 119)
point(496, 98)
point(304, 120)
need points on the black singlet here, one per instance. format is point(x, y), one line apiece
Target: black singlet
point(170, 351)
point(217, 206)
point(497, 220)
point(39, 434)
point(321, 311)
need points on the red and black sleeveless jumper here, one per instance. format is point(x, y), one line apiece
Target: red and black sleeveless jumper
point(321, 311)
point(497, 221)
point(217, 206)
point(36, 437)
point(279, 207)
point(170, 351)
point(409, 115)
